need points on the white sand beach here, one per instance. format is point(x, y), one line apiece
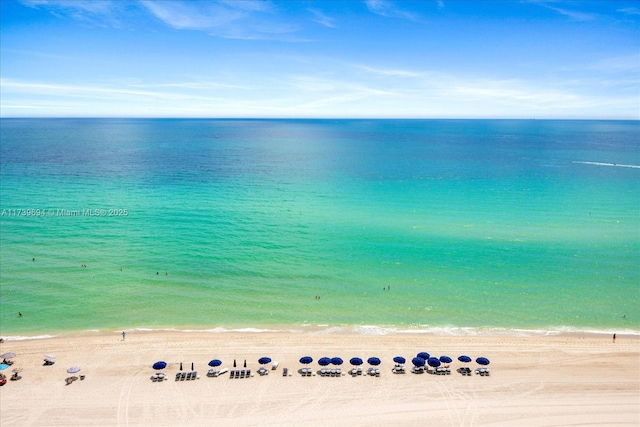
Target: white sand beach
point(568, 379)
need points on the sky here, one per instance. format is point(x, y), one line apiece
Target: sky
point(320, 59)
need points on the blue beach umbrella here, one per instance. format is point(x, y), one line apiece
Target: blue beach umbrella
point(445, 359)
point(423, 355)
point(159, 365)
point(399, 359)
point(418, 361)
point(215, 362)
point(324, 361)
point(373, 361)
point(434, 362)
point(464, 359)
point(336, 361)
point(356, 361)
point(264, 360)
point(306, 360)
point(482, 361)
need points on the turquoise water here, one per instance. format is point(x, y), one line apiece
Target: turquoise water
point(405, 224)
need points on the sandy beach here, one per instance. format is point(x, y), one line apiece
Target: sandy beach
point(570, 379)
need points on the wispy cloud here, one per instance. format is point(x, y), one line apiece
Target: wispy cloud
point(104, 13)
point(629, 11)
point(573, 14)
point(389, 71)
point(322, 19)
point(249, 20)
point(618, 64)
point(388, 9)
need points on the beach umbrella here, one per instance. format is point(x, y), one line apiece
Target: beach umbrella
point(373, 361)
point(399, 359)
point(434, 362)
point(49, 356)
point(355, 361)
point(423, 355)
point(264, 360)
point(464, 359)
point(17, 370)
point(73, 370)
point(8, 355)
point(3, 366)
point(418, 361)
point(336, 361)
point(157, 366)
point(324, 361)
point(215, 362)
point(482, 361)
point(306, 360)
point(445, 359)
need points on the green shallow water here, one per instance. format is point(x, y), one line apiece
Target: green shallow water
point(242, 223)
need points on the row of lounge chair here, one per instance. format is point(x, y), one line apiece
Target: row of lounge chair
point(374, 372)
point(306, 372)
point(330, 372)
point(442, 370)
point(159, 377)
point(484, 372)
point(241, 373)
point(355, 371)
point(399, 369)
point(216, 373)
point(186, 376)
point(464, 371)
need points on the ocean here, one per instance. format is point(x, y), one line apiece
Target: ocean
point(448, 226)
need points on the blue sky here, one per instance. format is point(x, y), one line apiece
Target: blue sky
point(267, 58)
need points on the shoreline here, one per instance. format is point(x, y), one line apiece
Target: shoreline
point(542, 380)
point(365, 330)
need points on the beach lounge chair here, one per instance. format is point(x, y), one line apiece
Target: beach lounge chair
point(194, 375)
point(232, 374)
point(177, 376)
point(274, 365)
point(285, 372)
point(248, 373)
point(222, 371)
point(183, 376)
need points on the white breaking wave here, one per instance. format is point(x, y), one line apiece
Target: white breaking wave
point(618, 165)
